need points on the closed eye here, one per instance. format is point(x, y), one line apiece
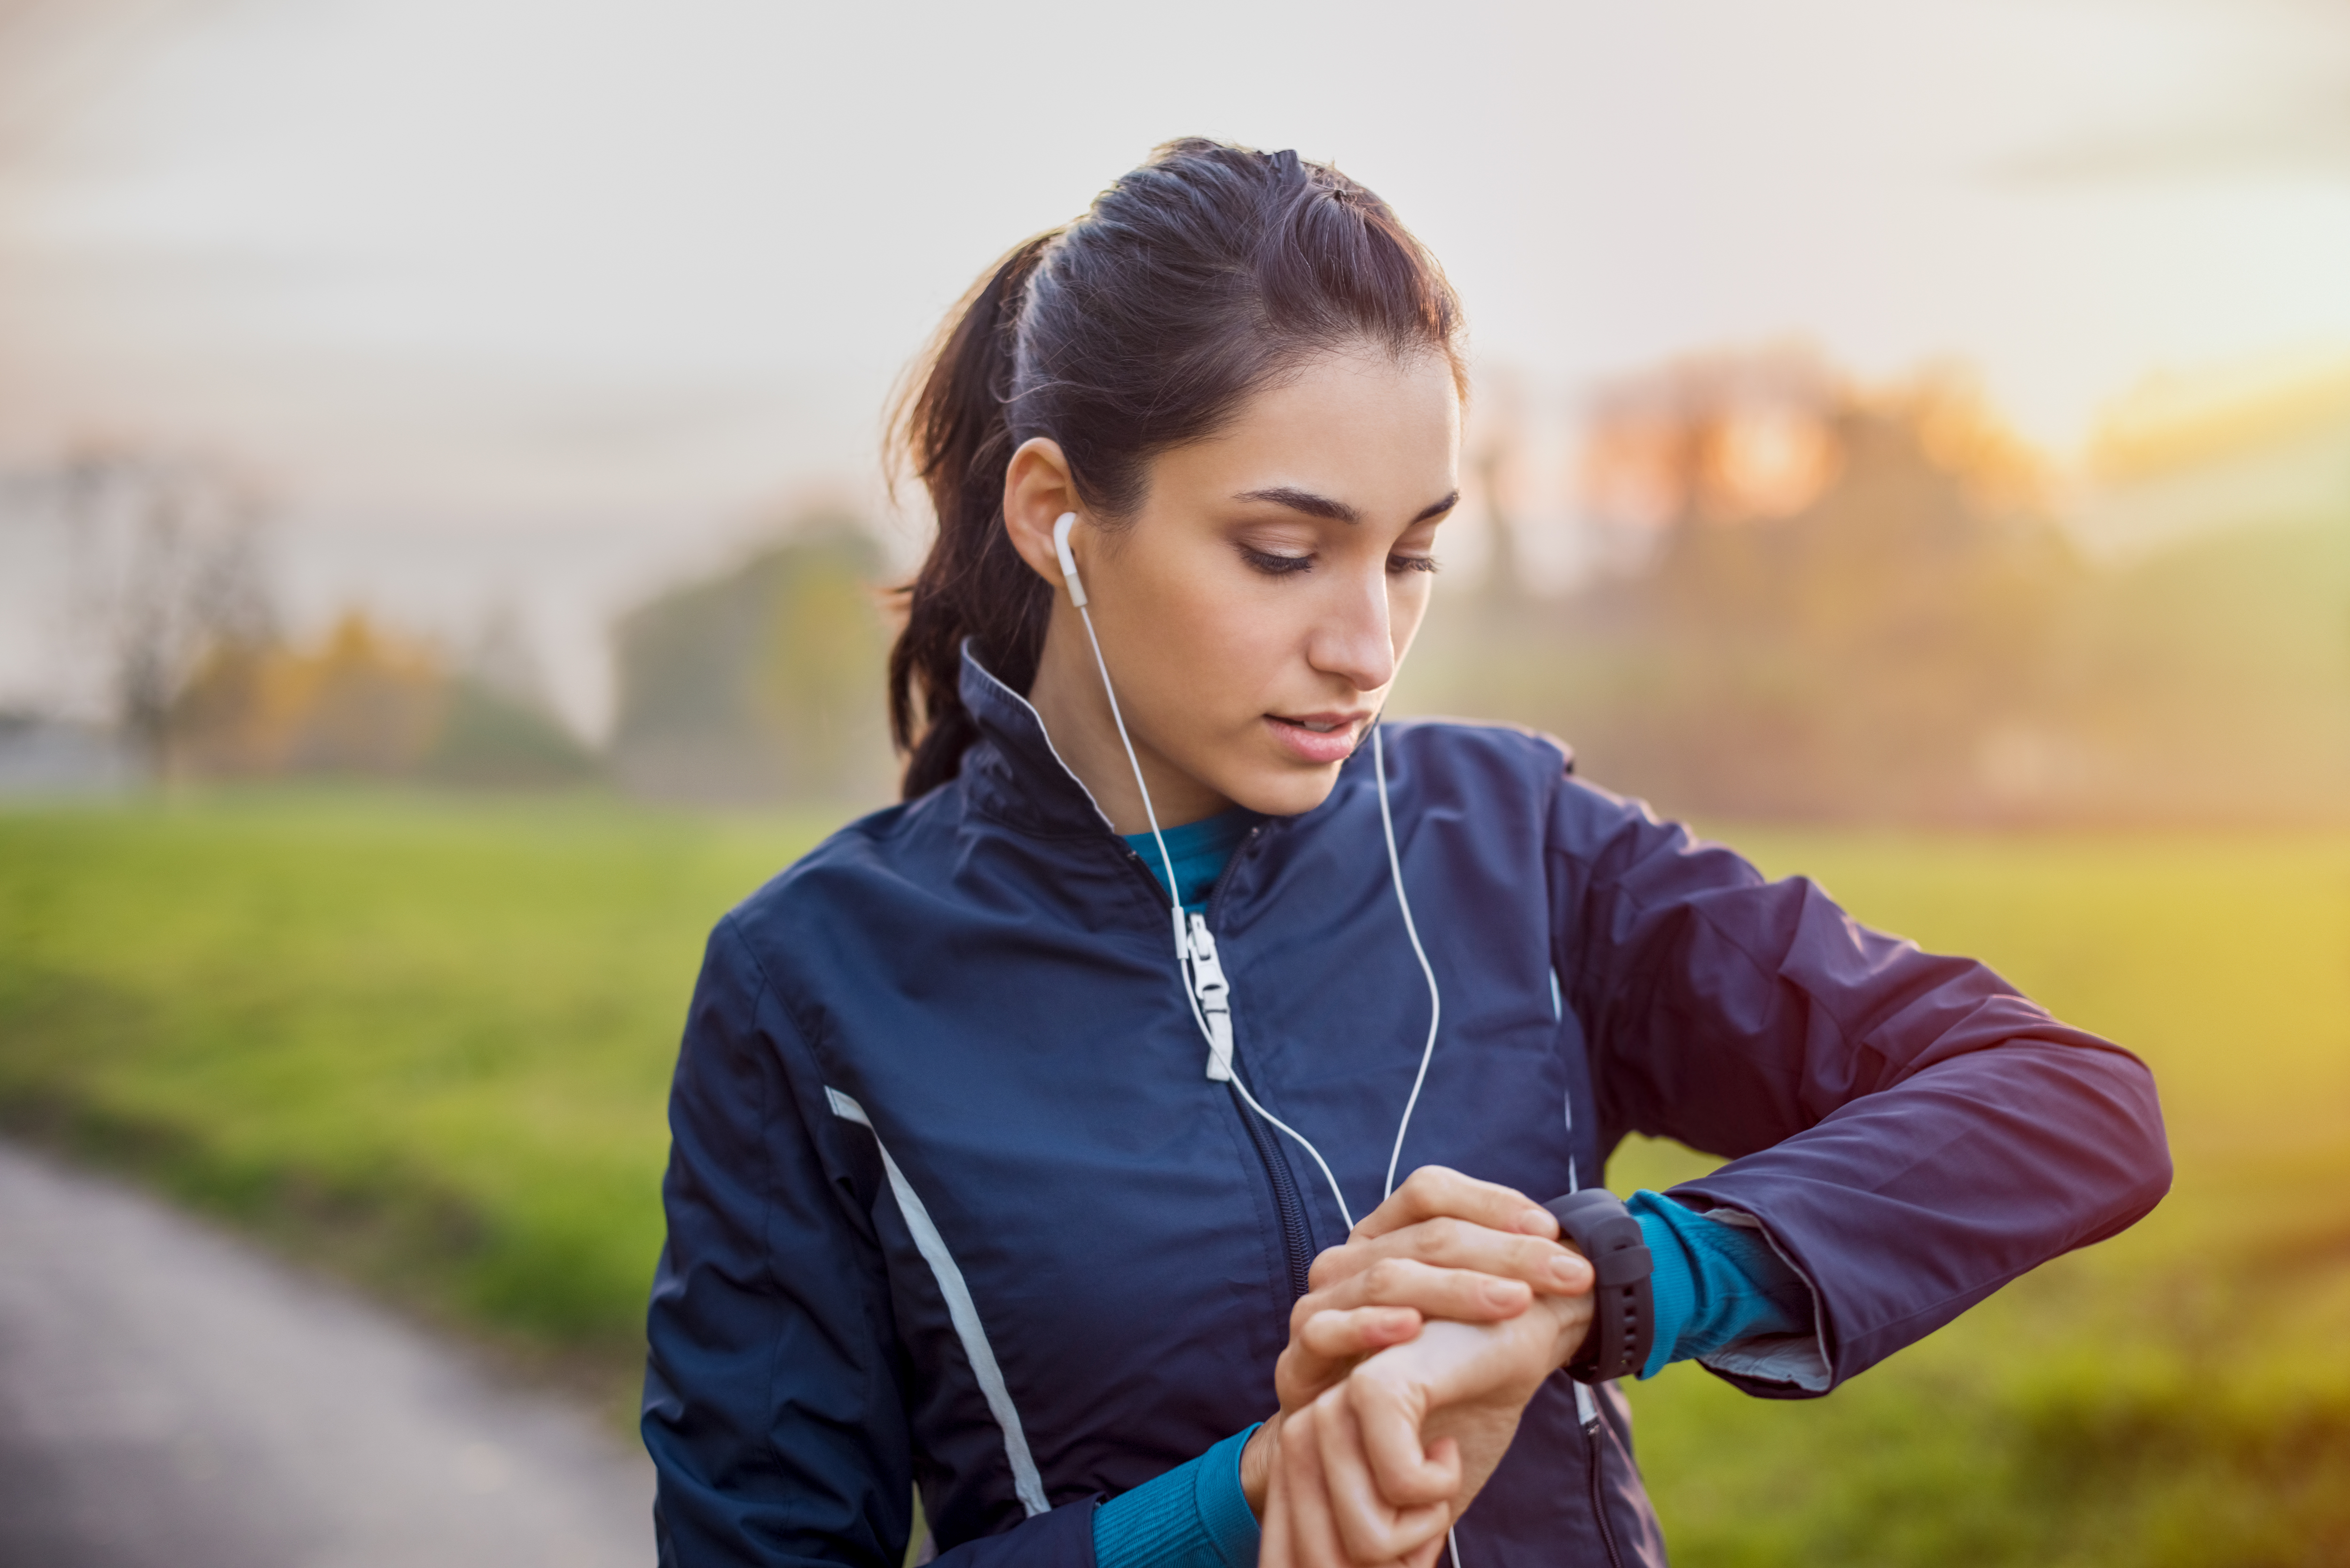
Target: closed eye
point(1275, 565)
point(1414, 563)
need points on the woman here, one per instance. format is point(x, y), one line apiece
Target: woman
point(1037, 1141)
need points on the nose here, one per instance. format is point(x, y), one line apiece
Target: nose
point(1353, 637)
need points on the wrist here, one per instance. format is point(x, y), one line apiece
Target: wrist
point(1570, 1325)
point(1256, 1465)
point(1596, 1222)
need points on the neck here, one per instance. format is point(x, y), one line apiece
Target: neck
point(1067, 695)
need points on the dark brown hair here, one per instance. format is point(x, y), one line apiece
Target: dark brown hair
point(1144, 324)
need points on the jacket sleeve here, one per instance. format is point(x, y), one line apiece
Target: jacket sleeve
point(1910, 1131)
point(774, 1406)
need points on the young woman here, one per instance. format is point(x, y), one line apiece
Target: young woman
point(1038, 1141)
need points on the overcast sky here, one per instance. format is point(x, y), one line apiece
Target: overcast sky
point(483, 264)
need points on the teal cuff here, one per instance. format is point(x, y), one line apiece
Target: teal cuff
point(1672, 1286)
point(1713, 1285)
point(1223, 1506)
point(1194, 1516)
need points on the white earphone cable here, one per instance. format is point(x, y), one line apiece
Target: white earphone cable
point(1411, 929)
point(1183, 952)
point(1119, 720)
point(1338, 1197)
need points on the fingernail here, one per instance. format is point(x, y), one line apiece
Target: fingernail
point(1570, 1271)
point(1537, 1222)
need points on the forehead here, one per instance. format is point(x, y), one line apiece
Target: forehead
point(1379, 433)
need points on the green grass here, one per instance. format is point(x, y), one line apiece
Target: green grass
point(425, 1041)
point(2180, 1395)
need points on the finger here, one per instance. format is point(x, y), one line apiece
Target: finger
point(1326, 1346)
point(1310, 1541)
point(1273, 1523)
point(1370, 1526)
point(1389, 1419)
point(1430, 1555)
point(1436, 1190)
point(1446, 1243)
point(1430, 1290)
point(1346, 1336)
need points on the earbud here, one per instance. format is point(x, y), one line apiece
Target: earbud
point(1061, 527)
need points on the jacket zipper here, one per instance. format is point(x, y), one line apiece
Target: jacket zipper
point(1285, 1200)
point(1592, 1435)
point(1296, 1240)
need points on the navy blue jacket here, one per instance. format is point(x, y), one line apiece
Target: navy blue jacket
point(953, 1203)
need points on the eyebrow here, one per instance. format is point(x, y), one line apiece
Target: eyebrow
point(1315, 505)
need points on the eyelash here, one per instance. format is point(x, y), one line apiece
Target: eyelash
point(1274, 565)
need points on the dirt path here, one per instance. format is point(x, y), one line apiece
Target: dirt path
point(170, 1397)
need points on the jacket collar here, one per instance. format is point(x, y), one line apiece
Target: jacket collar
point(1012, 772)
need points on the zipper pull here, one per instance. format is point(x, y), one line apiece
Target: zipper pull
point(1586, 1409)
point(1214, 994)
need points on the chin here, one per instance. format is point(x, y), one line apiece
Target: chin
point(1284, 792)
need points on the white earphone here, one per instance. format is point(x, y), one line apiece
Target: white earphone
point(1061, 527)
point(1195, 948)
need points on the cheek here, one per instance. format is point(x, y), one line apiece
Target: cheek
point(1407, 600)
point(1224, 634)
point(1239, 644)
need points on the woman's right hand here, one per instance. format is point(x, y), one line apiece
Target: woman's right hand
point(1301, 1525)
point(1371, 1474)
point(1442, 1246)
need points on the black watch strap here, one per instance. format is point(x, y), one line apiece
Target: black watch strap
point(1595, 1224)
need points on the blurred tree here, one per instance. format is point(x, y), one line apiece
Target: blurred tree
point(168, 571)
point(764, 683)
point(1729, 437)
point(1854, 655)
point(499, 726)
point(1846, 600)
point(489, 737)
point(365, 704)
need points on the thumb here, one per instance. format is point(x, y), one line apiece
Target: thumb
point(1389, 1417)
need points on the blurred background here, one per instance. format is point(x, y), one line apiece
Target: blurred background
point(440, 523)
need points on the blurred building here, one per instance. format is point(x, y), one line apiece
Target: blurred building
point(41, 755)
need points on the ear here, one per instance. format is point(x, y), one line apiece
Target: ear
point(1037, 489)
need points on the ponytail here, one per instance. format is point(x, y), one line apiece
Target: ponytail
point(953, 432)
point(1142, 327)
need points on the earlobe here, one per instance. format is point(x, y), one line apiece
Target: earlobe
point(1038, 492)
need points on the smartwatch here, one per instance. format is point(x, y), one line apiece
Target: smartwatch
point(1595, 1224)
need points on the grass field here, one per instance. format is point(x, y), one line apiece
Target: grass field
point(424, 1041)
point(2180, 1395)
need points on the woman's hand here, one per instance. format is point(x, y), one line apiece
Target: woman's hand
point(1302, 1529)
point(1431, 1419)
point(1443, 1246)
point(1373, 1472)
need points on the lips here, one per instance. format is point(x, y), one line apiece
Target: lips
point(1317, 738)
